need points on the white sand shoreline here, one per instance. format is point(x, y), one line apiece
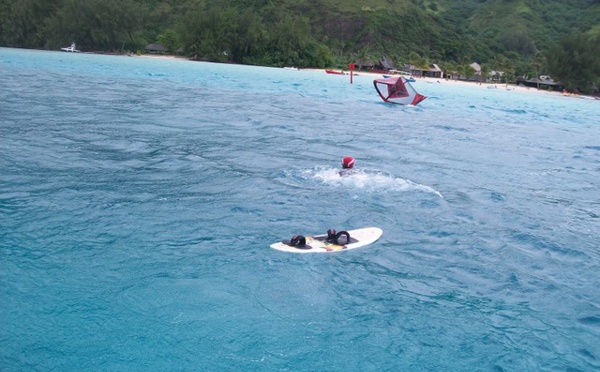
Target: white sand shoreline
point(475, 85)
point(463, 83)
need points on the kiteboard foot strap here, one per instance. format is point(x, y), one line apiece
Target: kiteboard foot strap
point(333, 236)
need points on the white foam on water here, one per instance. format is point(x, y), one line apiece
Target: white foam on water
point(368, 180)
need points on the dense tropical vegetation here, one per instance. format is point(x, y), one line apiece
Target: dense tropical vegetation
point(518, 37)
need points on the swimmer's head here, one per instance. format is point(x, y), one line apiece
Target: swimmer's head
point(348, 162)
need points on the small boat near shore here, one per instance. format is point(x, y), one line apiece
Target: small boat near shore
point(334, 72)
point(70, 49)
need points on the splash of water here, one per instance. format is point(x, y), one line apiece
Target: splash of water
point(371, 181)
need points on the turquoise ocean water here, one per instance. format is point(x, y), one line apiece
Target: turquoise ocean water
point(139, 196)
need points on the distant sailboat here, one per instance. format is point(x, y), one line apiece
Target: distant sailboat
point(70, 49)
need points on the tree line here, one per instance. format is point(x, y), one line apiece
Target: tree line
point(211, 32)
point(301, 33)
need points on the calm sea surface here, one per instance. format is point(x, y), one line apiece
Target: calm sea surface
point(139, 196)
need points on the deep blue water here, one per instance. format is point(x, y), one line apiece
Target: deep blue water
point(139, 196)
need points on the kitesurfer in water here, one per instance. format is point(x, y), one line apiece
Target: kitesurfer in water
point(347, 166)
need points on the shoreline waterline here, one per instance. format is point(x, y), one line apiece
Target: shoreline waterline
point(376, 75)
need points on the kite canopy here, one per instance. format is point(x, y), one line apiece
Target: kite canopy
point(397, 90)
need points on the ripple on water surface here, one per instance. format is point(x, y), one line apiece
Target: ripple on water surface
point(139, 197)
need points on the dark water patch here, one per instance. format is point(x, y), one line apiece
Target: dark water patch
point(450, 128)
point(554, 250)
point(497, 197)
point(588, 355)
point(590, 320)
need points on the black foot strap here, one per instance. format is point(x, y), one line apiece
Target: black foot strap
point(297, 241)
point(334, 237)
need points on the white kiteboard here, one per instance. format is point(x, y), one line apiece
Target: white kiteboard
point(320, 243)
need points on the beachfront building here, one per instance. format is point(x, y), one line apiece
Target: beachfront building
point(156, 48)
point(543, 82)
point(477, 76)
point(385, 64)
point(475, 73)
point(364, 65)
point(433, 71)
point(496, 76)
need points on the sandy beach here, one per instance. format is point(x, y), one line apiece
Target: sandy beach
point(474, 85)
point(463, 83)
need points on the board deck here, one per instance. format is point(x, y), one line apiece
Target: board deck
point(318, 243)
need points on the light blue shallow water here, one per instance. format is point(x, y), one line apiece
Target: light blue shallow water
point(138, 198)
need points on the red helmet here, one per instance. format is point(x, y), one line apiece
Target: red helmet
point(348, 162)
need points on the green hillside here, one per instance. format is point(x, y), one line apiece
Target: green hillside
point(529, 26)
point(514, 35)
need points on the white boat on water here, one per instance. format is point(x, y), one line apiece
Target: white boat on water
point(70, 49)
